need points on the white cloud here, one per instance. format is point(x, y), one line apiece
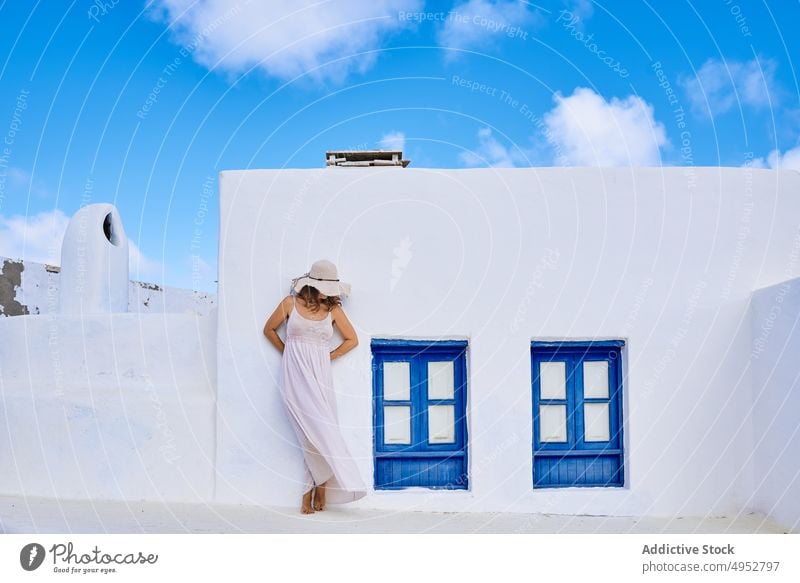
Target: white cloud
point(284, 38)
point(789, 160)
point(586, 130)
point(582, 129)
point(583, 9)
point(38, 238)
point(393, 141)
point(475, 23)
point(722, 85)
point(35, 238)
point(21, 180)
point(18, 177)
point(580, 10)
point(141, 267)
point(492, 153)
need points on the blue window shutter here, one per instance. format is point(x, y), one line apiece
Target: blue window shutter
point(420, 463)
point(576, 461)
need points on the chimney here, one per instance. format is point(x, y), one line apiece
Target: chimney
point(365, 158)
point(94, 262)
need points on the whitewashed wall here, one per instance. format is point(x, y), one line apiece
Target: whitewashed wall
point(776, 397)
point(108, 406)
point(664, 258)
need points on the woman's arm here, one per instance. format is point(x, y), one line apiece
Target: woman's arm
point(274, 322)
point(350, 340)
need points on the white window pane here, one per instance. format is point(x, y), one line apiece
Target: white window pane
point(595, 421)
point(397, 424)
point(396, 381)
point(441, 424)
point(553, 380)
point(552, 423)
point(595, 379)
point(440, 380)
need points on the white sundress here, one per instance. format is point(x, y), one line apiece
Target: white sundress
point(308, 394)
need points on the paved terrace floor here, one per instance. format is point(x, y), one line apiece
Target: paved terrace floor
point(44, 515)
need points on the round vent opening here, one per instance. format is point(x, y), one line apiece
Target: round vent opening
point(110, 229)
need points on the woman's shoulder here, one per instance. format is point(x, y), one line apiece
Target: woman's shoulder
point(286, 303)
point(336, 310)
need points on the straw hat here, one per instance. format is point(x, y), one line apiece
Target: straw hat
point(324, 277)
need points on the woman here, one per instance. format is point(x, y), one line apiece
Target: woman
point(306, 383)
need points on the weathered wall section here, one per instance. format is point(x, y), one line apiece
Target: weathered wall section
point(27, 287)
point(10, 284)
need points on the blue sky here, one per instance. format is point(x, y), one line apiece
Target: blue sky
point(143, 103)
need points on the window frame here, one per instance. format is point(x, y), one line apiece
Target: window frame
point(574, 353)
point(418, 353)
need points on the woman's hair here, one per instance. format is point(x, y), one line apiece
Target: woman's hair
point(310, 296)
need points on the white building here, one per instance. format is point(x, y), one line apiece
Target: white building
point(669, 295)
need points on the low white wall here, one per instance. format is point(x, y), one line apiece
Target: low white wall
point(776, 397)
point(664, 258)
point(37, 292)
point(113, 406)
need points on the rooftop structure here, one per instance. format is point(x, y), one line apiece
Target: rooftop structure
point(365, 158)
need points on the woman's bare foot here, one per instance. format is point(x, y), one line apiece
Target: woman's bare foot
point(307, 508)
point(319, 497)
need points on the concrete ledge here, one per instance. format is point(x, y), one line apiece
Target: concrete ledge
point(39, 515)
